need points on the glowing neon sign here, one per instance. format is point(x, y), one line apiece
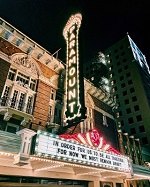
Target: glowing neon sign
point(73, 100)
point(91, 138)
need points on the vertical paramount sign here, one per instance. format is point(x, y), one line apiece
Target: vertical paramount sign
point(75, 110)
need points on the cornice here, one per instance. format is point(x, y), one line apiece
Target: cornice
point(28, 46)
point(5, 57)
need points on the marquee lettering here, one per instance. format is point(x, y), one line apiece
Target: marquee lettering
point(53, 146)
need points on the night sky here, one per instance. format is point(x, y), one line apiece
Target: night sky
point(104, 22)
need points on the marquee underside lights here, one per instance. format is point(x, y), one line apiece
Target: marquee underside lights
point(52, 146)
point(73, 100)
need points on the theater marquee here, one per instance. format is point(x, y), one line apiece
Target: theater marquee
point(74, 101)
point(52, 146)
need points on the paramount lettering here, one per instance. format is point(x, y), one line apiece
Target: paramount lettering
point(72, 52)
point(72, 94)
point(72, 61)
point(73, 105)
point(72, 71)
point(72, 82)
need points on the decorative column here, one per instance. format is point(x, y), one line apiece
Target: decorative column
point(134, 150)
point(128, 145)
point(26, 139)
point(140, 158)
point(120, 141)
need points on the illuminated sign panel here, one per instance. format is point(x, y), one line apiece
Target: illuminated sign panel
point(51, 146)
point(73, 100)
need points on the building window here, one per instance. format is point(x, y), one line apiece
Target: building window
point(130, 82)
point(124, 60)
point(126, 67)
point(122, 123)
point(141, 128)
point(144, 140)
point(11, 74)
point(139, 118)
point(134, 98)
point(117, 96)
point(121, 78)
point(133, 131)
point(130, 120)
point(126, 101)
point(12, 128)
point(33, 84)
point(29, 105)
point(20, 92)
point(123, 85)
point(128, 110)
point(53, 94)
point(21, 101)
point(128, 74)
point(119, 70)
point(136, 107)
point(22, 78)
point(14, 99)
point(117, 57)
point(5, 96)
point(118, 63)
point(132, 90)
point(124, 93)
point(123, 53)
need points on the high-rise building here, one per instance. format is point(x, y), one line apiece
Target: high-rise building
point(129, 83)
